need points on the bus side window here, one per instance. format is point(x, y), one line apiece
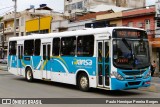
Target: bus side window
point(68, 46)
point(37, 47)
point(28, 47)
point(12, 47)
point(85, 46)
point(56, 47)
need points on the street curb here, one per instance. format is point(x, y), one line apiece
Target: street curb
point(4, 68)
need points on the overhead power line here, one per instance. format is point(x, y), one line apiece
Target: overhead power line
point(6, 11)
point(6, 7)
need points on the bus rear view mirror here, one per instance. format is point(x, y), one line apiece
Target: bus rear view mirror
point(115, 57)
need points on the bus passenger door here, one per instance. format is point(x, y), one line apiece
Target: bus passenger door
point(103, 64)
point(46, 65)
point(19, 61)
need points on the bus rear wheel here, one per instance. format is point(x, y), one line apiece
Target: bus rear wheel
point(83, 82)
point(29, 75)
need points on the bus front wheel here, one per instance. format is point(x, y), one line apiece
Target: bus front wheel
point(83, 82)
point(29, 75)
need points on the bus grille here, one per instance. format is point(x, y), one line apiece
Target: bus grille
point(133, 72)
point(134, 83)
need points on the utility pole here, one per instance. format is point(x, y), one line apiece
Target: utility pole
point(39, 24)
point(2, 39)
point(3, 42)
point(15, 11)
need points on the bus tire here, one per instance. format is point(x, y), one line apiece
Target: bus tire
point(83, 82)
point(29, 75)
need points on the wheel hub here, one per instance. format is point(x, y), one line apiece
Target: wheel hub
point(84, 82)
point(28, 75)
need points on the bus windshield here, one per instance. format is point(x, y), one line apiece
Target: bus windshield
point(130, 53)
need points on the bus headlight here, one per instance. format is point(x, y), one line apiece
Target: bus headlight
point(117, 75)
point(147, 75)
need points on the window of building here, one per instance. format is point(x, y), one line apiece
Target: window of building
point(28, 47)
point(158, 23)
point(56, 46)
point(66, 8)
point(73, 6)
point(130, 24)
point(113, 25)
point(69, 1)
point(79, 5)
point(68, 46)
point(44, 31)
point(37, 47)
point(140, 24)
point(17, 34)
point(70, 7)
point(85, 45)
point(22, 33)
point(147, 24)
point(22, 21)
point(37, 32)
point(12, 47)
point(17, 22)
point(86, 2)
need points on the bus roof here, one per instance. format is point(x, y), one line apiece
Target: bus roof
point(86, 31)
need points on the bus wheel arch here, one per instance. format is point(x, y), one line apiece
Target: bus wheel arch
point(82, 80)
point(29, 74)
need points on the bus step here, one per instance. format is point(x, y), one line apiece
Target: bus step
point(46, 79)
point(104, 88)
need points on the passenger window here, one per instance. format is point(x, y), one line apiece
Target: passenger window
point(37, 47)
point(12, 47)
point(56, 46)
point(68, 46)
point(28, 47)
point(85, 46)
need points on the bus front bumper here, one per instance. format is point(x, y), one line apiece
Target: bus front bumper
point(122, 85)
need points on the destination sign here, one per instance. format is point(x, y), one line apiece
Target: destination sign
point(129, 33)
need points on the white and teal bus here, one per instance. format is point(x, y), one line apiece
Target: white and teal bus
point(112, 58)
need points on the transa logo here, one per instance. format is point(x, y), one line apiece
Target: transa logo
point(82, 62)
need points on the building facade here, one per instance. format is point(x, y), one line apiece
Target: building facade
point(155, 42)
point(114, 19)
point(39, 25)
point(41, 20)
point(28, 21)
point(7, 30)
point(79, 22)
point(75, 6)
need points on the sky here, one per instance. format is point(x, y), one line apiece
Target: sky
point(57, 5)
point(7, 5)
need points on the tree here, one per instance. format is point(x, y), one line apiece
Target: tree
point(1, 18)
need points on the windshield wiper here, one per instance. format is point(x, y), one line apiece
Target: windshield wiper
point(132, 54)
point(126, 44)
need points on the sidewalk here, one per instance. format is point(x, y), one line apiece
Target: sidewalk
point(155, 81)
point(3, 67)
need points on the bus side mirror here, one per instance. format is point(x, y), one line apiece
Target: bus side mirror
point(115, 57)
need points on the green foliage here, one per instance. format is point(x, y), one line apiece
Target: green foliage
point(1, 18)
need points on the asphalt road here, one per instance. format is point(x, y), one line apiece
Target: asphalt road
point(12, 86)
